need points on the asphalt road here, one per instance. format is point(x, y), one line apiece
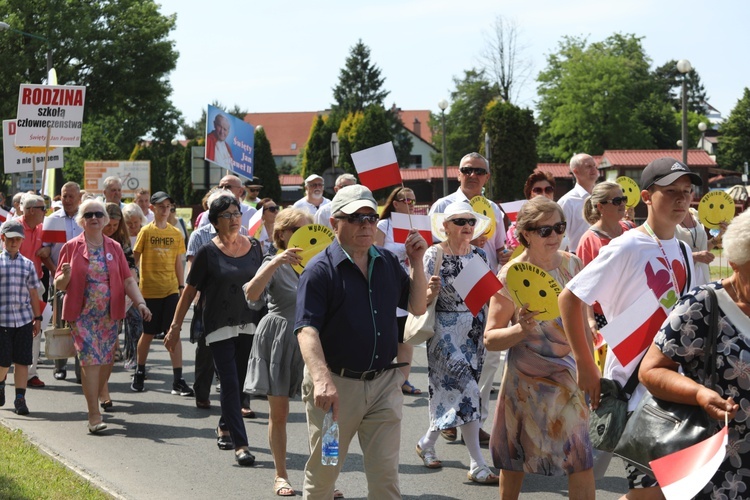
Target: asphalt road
point(162, 446)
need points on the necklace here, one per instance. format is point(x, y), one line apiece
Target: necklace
point(92, 244)
point(731, 282)
point(239, 246)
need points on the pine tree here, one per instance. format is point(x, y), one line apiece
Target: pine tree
point(360, 83)
point(734, 148)
point(265, 166)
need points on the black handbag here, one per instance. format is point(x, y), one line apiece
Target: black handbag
point(658, 428)
point(607, 422)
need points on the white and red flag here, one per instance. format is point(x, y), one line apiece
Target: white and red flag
point(633, 330)
point(683, 474)
point(4, 215)
point(53, 230)
point(512, 208)
point(476, 283)
point(402, 224)
point(255, 222)
point(377, 166)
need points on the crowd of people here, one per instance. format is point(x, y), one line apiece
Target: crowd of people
point(334, 333)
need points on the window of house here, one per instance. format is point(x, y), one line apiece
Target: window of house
point(415, 161)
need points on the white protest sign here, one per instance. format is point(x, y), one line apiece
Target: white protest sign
point(19, 158)
point(57, 109)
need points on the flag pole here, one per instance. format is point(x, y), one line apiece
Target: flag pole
point(408, 208)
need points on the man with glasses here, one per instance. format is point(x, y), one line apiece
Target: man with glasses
point(473, 173)
point(313, 199)
point(348, 338)
point(252, 192)
point(31, 248)
point(113, 190)
point(323, 215)
point(583, 168)
point(233, 184)
point(158, 252)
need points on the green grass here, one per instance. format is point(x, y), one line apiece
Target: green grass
point(27, 473)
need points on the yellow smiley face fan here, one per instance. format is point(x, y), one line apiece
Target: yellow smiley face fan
point(715, 207)
point(528, 284)
point(631, 190)
point(312, 239)
point(481, 205)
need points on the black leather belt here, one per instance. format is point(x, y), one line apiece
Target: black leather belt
point(367, 375)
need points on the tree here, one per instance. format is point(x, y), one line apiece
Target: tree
point(599, 96)
point(120, 50)
point(503, 58)
point(463, 123)
point(513, 135)
point(360, 83)
point(668, 78)
point(316, 157)
point(734, 148)
point(265, 166)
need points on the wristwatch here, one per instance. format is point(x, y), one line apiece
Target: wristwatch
point(38, 318)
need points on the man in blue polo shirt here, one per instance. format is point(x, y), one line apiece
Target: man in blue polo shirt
point(347, 332)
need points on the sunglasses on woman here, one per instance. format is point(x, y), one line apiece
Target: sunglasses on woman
point(544, 190)
point(91, 215)
point(463, 222)
point(545, 231)
point(273, 209)
point(617, 201)
point(408, 201)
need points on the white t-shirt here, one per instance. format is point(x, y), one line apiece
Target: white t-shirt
point(492, 245)
point(572, 205)
point(303, 204)
point(398, 249)
point(623, 271)
point(323, 215)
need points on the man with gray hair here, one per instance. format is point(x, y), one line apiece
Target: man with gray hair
point(113, 190)
point(583, 168)
point(323, 215)
point(31, 248)
point(313, 199)
point(217, 149)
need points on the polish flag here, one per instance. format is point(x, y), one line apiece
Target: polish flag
point(53, 230)
point(4, 215)
point(683, 474)
point(631, 332)
point(255, 222)
point(476, 284)
point(377, 166)
point(512, 208)
point(402, 225)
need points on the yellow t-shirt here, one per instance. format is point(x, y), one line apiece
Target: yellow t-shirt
point(159, 249)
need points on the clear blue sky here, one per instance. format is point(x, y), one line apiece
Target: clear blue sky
point(283, 55)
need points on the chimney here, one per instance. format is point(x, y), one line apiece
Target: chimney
point(417, 127)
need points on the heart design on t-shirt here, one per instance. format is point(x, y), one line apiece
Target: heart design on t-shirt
point(660, 282)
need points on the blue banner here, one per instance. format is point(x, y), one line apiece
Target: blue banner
point(229, 142)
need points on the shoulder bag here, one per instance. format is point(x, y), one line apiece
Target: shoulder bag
point(58, 340)
point(421, 328)
point(657, 427)
point(607, 422)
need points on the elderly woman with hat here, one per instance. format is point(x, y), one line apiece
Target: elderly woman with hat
point(456, 352)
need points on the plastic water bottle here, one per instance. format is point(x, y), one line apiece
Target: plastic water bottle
point(330, 450)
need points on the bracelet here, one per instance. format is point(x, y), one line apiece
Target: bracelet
point(181, 287)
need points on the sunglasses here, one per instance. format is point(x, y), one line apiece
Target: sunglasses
point(294, 229)
point(360, 218)
point(463, 222)
point(545, 231)
point(38, 208)
point(273, 209)
point(545, 190)
point(470, 171)
point(617, 201)
point(91, 215)
point(173, 210)
point(230, 215)
point(408, 201)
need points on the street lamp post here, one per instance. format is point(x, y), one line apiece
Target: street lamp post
point(488, 156)
point(702, 127)
point(443, 105)
point(684, 67)
point(334, 150)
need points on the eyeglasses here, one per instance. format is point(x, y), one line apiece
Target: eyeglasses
point(227, 186)
point(463, 222)
point(316, 185)
point(470, 171)
point(617, 201)
point(545, 190)
point(42, 207)
point(230, 215)
point(273, 209)
point(173, 209)
point(408, 201)
point(91, 215)
point(545, 231)
point(360, 218)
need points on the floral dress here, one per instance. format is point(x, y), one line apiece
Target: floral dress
point(95, 332)
point(455, 353)
point(681, 339)
point(541, 418)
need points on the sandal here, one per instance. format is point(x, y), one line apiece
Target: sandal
point(106, 405)
point(408, 388)
point(449, 434)
point(224, 441)
point(282, 487)
point(337, 493)
point(483, 475)
point(429, 458)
